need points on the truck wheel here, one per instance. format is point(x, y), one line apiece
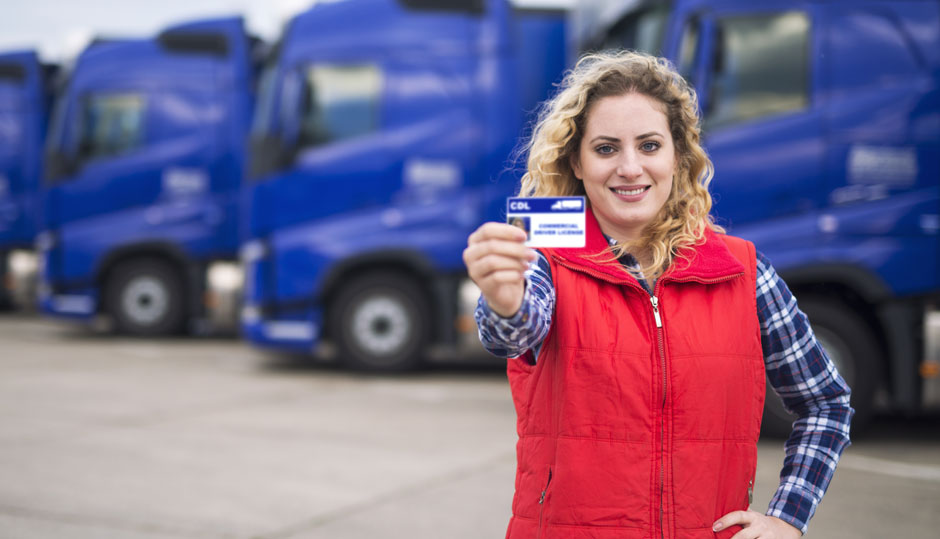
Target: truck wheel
point(380, 322)
point(145, 297)
point(851, 345)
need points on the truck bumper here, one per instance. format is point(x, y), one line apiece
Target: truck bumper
point(299, 332)
point(79, 305)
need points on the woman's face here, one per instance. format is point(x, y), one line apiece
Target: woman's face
point(626, 161)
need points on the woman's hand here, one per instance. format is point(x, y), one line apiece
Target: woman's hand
point(756, 526)
point(496, 259)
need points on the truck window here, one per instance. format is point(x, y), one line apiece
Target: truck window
point(339, 102)
point(110, 125)
point(688, 48)
point(760, 67)
point(641, 30)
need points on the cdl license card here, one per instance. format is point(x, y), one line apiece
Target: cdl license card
point(548, 221)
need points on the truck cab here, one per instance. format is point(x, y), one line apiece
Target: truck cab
point(26, 89)
point(821, 118)
point(384, 136)
point(144, 165)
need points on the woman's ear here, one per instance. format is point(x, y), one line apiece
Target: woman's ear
point(574, 161)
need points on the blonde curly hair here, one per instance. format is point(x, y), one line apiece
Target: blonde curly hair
point(557, 136)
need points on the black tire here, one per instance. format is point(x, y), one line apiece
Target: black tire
point(380, 323)
point(145, 298)
point(852, 346)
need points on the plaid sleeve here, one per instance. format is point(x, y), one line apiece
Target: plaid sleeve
point(802, 374)
point(512, 337)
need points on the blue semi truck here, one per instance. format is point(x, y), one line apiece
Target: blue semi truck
point(144, 166)
point(384, 135)
point(26, 90)
point(823, 121)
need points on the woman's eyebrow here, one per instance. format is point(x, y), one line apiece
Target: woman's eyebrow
point(650, 134)
point(605, 137)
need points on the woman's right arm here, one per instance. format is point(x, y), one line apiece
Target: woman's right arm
point(515, 309)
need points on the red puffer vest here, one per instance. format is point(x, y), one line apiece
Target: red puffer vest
point(641, 416)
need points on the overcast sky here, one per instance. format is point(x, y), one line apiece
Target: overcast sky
point(59, 29)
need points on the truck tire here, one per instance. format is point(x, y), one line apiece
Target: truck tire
point(145, 298)
point(851, 345)
point(380, 323)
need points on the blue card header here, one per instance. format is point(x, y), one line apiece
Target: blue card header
point(545, 205)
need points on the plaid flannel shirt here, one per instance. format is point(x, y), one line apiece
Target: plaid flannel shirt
point(798, 368)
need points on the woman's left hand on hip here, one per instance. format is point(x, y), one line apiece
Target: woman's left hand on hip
point(757, 525)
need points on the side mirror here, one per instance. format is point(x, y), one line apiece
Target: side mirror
point(59, 165)
point(291, 105)
point(268, 155)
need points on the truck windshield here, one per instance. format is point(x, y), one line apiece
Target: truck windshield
point(110, 124)
point(760, 67)
point(339, 102)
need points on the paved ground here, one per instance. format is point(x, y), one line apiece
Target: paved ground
point(105, 438)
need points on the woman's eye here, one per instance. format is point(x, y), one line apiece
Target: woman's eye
point(605, 149)
point(650, 146)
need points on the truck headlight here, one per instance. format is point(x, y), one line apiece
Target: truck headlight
point(23, 263)
point(225, 276)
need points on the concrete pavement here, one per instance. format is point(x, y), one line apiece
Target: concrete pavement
point(102, 438)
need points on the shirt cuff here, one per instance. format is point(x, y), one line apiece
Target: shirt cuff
point(512, 322)
point(793, 505)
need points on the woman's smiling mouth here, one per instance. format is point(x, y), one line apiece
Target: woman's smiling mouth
point(630, 192)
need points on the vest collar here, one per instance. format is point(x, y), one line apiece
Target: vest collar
point(711, 260)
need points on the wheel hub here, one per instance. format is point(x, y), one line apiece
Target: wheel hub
point(145, 300)
point(381, 325)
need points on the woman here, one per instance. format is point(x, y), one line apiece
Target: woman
point(639, 360)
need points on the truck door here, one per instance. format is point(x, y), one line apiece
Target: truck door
point(764, 133)
point(137, 140)
point(883, 160)
point(111, 132)
point(372, 134)
point(331, 113)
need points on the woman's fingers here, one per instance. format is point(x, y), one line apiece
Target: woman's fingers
point(490, 263)
point(499, 247)
point(497, 231)
point(496, 246)
point(736, 518)
point(757, 526)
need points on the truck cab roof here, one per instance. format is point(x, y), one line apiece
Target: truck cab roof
point(369, 27)
point(174, 54)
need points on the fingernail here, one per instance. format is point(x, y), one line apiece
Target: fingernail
point(717, 526)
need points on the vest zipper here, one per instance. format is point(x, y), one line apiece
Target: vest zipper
point(654, 299)
point(542, 502)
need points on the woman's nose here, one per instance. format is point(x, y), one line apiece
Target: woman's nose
point(629, 166)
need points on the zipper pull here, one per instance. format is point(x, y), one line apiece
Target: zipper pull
point(655, 302)
point(750, 492)
point(542, 499)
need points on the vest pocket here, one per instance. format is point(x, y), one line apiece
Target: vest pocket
point(542, 502)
